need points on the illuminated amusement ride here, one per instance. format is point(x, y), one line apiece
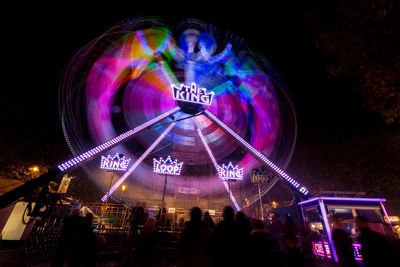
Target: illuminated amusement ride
point(181, 116)
point(191, 93)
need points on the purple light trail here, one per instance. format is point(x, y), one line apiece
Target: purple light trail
point(78, 160)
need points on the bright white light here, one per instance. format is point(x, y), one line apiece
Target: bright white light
point(192, 94)
point(327, 228)
point(230, 172)
point(167, 166)
point(144, 155)
point(116, 163)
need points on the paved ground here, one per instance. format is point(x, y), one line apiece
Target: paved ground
point(11, 257)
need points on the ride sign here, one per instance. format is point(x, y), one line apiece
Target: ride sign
point(118, 162)
point(230, 172)
point(167, 166)
point(258, 177)
point(192, 94)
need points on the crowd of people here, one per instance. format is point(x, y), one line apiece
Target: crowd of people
point(77, 243)
point(376, 249)
point(234, 241)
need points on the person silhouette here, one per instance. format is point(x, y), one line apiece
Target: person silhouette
point(225, 240)
point(193, 247)
point(376, 249)
point(209, 220)
point(343, 244)
point(68, 243)
point(88, 244)
point(261, 247)
point(243, 236)
point(294, 257)
point(146, 244)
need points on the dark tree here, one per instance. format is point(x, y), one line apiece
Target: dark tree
point(363, 40)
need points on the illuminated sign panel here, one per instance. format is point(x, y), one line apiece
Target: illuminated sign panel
point(188, 190)
point(322, 249)
point(167, 166)
point(230, 172)
point(258, 177)
point(171, 210)
point(118, 162)
point(192, 94)
point(63, 188)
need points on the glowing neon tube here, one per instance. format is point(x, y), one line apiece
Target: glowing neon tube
point(328, 228)
point(257, 154)
point(343, 199)
point(203, 140)
point(387, 216)
point(78, 160)
point(142, 157)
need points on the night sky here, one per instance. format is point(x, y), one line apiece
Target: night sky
point(37, 43)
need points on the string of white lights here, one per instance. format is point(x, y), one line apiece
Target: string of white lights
point(257, 154)
point(142, 157)
point(78, 160)
point(203, 140)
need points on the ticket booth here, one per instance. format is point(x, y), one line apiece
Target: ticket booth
point(316, 212)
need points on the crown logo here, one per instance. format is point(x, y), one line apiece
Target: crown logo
point(192, 94)
point(230, 172)
point(117, 163)
point(167, 166)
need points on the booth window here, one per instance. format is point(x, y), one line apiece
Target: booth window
point(372, 215)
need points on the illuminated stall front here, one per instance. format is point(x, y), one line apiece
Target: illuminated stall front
point(317, 212)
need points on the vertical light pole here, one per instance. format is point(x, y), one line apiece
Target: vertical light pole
point(261, 205)
point(230, 191)
point(111, 164)
point(139, 160)
point(166, 167)
point(257, 178)
point(111, 179)
point(104, 206)
point(163, 196)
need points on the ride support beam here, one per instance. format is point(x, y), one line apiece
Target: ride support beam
point(43, 180)
point(142, 157)
point(257, 154)
point(82, 158)
point(204, 141)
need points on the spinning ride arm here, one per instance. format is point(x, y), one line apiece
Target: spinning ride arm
point(203, 140)
point(43, 180)
point(142, 157)
point(258, 155)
